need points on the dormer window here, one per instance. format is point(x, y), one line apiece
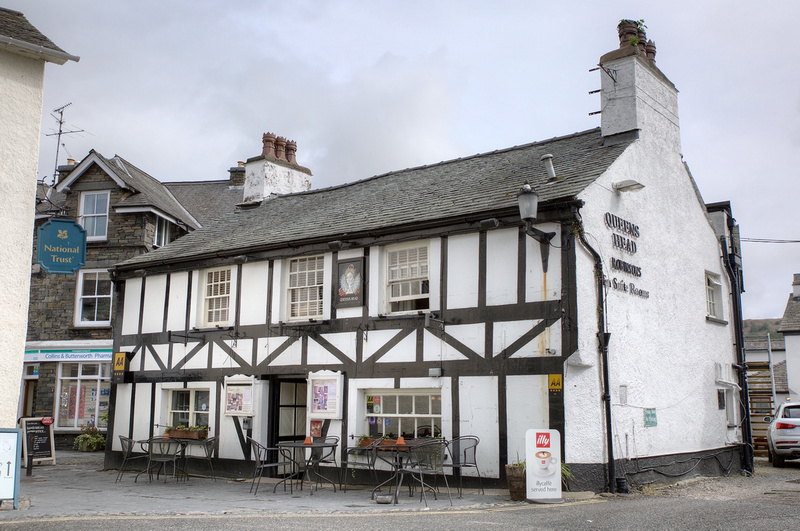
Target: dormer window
point(162, 232)
point(94, 215)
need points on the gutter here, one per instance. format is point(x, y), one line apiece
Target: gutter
point(603, 338)
point(47, 54)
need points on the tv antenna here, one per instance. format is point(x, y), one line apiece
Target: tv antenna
point(60, 120)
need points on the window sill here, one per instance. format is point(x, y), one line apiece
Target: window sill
point(305, 322)
point(716, 320)
point(91, 327)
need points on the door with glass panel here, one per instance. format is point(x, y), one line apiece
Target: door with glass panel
point(289, 408)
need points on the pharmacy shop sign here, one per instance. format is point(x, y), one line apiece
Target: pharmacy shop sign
point(61, 246)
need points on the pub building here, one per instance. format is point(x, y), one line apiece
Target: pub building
point(578, 284)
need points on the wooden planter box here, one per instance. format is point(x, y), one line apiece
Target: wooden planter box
point(188, 434)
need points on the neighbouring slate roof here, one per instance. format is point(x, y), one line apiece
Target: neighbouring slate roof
point(48, 200)
point(207, 200)
point(761, 344)
point(16, 32)
point(758, 379)
point(790, 322)
point(481, 183)
point(149, 192)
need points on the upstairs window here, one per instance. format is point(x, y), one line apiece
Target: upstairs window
point(93, 304)
point(94, 215)
point(306, 287)
point(162, 232)
point(713, 297)
point(408, 283)
point(217, 295)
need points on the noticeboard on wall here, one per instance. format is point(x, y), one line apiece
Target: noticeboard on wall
point(239, 396)
point(325, 394)
point(37, 439)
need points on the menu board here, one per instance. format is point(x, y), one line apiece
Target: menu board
point(37, 439)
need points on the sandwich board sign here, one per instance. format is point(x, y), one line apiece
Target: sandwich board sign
point(543, 466)
point(10, 443)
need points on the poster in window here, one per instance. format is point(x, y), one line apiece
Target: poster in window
point(316, 428)
point(239, 400)
point(350, 283)
point(325, 389)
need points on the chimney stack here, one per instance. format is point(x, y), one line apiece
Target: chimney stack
point(275, 172)
point(796, 285)
point(237, 174)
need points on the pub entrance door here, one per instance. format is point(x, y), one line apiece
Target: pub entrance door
point(288, 408)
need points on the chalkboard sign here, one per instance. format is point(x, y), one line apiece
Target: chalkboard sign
point(37, 439)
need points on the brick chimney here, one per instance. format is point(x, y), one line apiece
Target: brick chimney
point(275, 171)
point(638, 100)
point(237, 174)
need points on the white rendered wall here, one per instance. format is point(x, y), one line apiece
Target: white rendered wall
point(528, 406)
point(479, 416)
point(662, 348)
point(501, 259)
point(263, 177)
point(462, 271)
point(793, 365)
point(21, 81)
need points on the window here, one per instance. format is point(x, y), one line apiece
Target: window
point(713, 296)
point(305, 287)
point(93, 299)
point(403, 412)
point(94, 215)
point(407, 275)
point(162, 232)
point(189, 407)
point(726, 401)
point(83, 394)
point(216, 302)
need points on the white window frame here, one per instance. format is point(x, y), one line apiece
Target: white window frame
point(404, 275)
point(377, 428)
point(223, 299)
point(727, 402)
point(195, 408)
point(91, 233)
point(162, 232)
point(305, 300)
point(63, 398)
point(713, 287)
point(80, 297)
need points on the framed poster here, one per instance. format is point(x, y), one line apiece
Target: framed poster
point(325, 390)
point(239, 396)
point(350, 283)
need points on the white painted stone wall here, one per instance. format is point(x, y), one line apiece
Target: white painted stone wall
point(662, 348)
point(264, 177)
point(21, 82)
point(793, 366)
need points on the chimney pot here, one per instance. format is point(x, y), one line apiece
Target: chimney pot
point(268, 139)
point(291, 149)
point(70, 162)
point(280, 148)
point(240, 164)
point(650, 48)
point(627, 29)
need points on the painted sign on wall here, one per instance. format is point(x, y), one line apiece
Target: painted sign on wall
point(61, 246)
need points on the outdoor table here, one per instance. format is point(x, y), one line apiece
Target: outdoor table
point(397, 453)
point(310, 462)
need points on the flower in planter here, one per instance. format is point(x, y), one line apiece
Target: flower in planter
point(90, 440)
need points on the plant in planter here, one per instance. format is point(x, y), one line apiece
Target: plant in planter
point(183, 432)
point(515, 475)
point(90, 439)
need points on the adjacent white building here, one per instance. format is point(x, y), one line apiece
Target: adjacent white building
point(23, 54)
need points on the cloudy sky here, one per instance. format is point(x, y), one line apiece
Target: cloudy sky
point(184, 89)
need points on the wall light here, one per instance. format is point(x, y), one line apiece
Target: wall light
point(628, 185)
point(528, 201)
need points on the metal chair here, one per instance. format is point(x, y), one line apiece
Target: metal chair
point(363, 457)
point(161, 452)
point(208, 446)
point(321, 456)
point(425, 459)
point(128, 445)
point(261, 455)
point(463, 455)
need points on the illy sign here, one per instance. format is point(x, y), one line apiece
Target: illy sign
point(543, 470)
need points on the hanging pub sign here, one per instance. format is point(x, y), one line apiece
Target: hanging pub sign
point(350, 290)
point(61, 246)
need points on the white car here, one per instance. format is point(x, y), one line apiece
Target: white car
point(783, 436)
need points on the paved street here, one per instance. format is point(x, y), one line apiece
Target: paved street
point(76, 494)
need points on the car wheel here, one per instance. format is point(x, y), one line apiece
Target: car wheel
point(777, 461)
point(769, 456)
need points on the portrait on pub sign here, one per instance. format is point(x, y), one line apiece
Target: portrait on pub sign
point(350, 283)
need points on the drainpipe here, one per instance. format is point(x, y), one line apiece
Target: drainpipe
point(734, 274)
point(603, 337)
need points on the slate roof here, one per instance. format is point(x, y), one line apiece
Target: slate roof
point(790, 322)
point(147, 191)
point(20, 35)
point(207, 200)
point(481, 183)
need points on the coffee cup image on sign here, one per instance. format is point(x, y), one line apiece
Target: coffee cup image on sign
point(544, 462)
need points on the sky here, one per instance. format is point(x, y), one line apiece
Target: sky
point(184, 89)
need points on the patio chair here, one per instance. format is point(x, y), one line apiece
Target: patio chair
point(261, 455)
point(162, 452)
point(128, 445)
point(425, 459)
point(463, 455)
point(208, 445)
point(363, 457)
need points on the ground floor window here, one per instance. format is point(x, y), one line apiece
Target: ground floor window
point(189, 407)
point(727, 401)
point(407, 412)
point(84, 390)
